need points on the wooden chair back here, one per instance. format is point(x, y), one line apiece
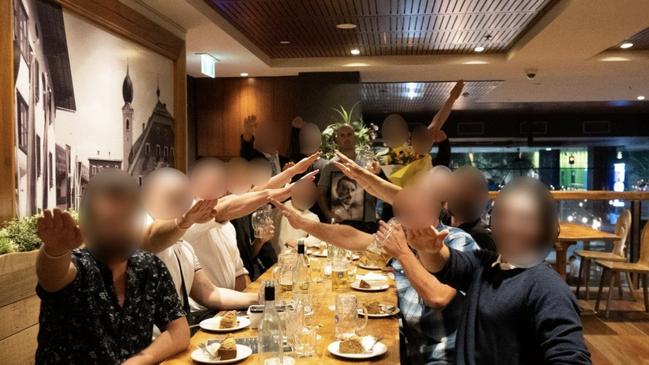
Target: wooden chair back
point(644, 245)
point(622, 229)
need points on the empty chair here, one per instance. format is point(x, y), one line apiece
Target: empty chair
point(618, 253)
point(641, 267)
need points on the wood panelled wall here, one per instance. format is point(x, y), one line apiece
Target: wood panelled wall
point(221, 105)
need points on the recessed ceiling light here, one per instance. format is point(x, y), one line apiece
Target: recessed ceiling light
point(284, 42)
point(243, 74)
point(346, 26)
point(355, 52)
point(479, 49)
point(626, 45)
point(640, 97)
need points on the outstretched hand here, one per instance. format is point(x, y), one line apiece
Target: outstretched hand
point(292, 215)
point(428, 240)
point(250, 124)
point(58, 232)
point(200, 212)
point(347, 166)
point(301, 166)
point(393, 239)
point(310, 176)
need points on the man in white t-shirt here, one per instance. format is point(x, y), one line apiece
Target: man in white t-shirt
point(167, 195)
point(303, 195)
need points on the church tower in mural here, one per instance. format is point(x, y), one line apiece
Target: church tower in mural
point(127, 118)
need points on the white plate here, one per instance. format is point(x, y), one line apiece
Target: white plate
point(318, 253)
point(382, 315)
point(378, 350)
point(213, 324)
point(243, 352)
point(312, 241)
point(368, 267)
point(380, 287)
point(375, 287)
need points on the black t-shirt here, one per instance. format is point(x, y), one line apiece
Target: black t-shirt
point(83, 322)
point(256, 265)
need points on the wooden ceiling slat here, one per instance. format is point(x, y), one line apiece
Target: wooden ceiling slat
point(384, 27)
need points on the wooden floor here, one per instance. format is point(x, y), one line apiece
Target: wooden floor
point(623, 338)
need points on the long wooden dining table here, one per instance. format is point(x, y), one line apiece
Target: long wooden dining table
point(323, 298)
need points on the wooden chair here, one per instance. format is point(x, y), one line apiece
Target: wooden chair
point(641, 267)
point(618, 253)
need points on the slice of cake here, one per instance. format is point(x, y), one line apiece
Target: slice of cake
point(229, 320)
point(374, 308)
point(364, 284)
point(228, 348)
point(351, 345)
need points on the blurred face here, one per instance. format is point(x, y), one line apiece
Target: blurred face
point(208, 180)
point(468, 194)
point(345, 137)
point(167, 194)
point(304, 194)
point(266, 138)
point(421, 140)
point(416, 209)
point(516, 225)
point(112, 226)
point(260, 172)
point(239, 179)
point(394, 130)
point(310, 139)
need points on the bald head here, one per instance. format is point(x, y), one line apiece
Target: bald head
point(167, 193)
point(469, 194)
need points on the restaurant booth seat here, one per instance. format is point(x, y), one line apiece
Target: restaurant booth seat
point(617, 254)
point(641, 267)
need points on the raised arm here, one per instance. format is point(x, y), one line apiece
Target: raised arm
point(248, 137)
point(336, 234)
point(236, 206)
point(285, 176)
point(431, 290)
point(164, 233)
point(60, 235)
point(442, 115)
point(369, 181)
point(429, 243)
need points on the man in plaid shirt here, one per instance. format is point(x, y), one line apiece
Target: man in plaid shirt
point(428, 329)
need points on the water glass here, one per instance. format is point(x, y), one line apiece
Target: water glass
point(348, 323)
point(262, 221)
point(316, 269)
point(306, 340)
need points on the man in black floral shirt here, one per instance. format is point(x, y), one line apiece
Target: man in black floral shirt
point(99, 303)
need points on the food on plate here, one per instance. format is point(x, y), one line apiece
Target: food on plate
point(229, 320)
point(374, 308)
point(351, 345)
point(228, 348)
point(364, 285)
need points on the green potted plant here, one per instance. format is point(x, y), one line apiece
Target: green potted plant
point(365, 134)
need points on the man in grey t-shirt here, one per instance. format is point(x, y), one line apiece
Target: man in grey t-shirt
point(341, 198)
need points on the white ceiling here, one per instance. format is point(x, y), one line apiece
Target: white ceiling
point(567, 47)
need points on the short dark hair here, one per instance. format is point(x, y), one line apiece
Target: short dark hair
point(545, 205)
